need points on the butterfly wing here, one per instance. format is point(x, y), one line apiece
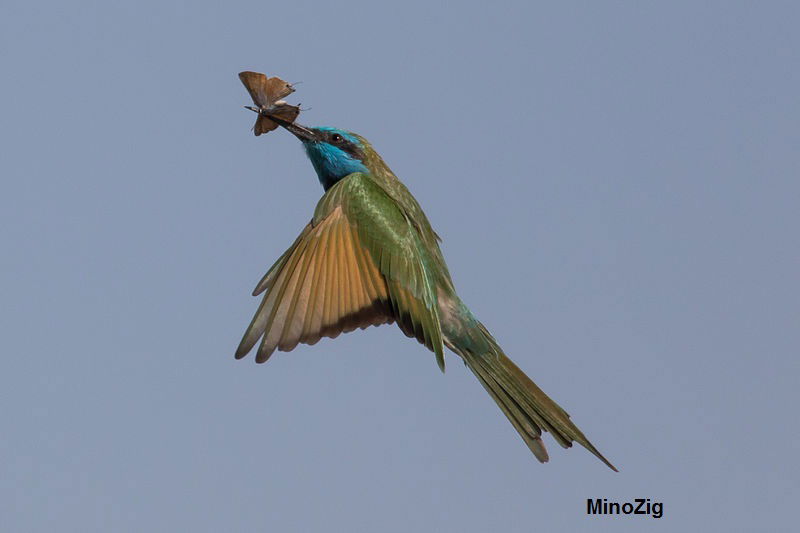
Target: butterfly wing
point(282, 111)
point(265, 92)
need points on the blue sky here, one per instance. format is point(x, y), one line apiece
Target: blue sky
point(616, 185)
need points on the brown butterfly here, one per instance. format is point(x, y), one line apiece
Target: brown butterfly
point(266, 94)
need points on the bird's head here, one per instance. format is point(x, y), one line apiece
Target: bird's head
point(334, 153)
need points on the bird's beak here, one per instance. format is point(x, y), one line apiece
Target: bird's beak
point(301, 132)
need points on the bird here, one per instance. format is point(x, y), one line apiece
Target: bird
point(369, 256)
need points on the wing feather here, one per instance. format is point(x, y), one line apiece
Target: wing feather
point(286, 282)
point(313, 319)
point(358, 263)
point(295, 317)
point(331, 292)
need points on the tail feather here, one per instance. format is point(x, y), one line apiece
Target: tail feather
point(515, 414)
point(528, 408)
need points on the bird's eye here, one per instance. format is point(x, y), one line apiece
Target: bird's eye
point(336, 138)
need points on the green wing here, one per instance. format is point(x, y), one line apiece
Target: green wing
point(360, 262)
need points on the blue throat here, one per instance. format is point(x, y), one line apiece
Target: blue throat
point(331, 162)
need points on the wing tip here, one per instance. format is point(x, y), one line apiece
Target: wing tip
point(264, 354)
point(440, 361)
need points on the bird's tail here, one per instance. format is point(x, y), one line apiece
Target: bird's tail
point(528, 408)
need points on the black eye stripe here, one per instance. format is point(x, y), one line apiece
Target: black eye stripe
point(348, 146)
point(351, 149)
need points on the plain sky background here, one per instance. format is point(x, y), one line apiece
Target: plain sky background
point(617, 189)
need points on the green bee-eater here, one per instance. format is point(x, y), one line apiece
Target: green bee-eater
point(368, 257)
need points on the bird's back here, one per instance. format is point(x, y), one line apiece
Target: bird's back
point(429, 241)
